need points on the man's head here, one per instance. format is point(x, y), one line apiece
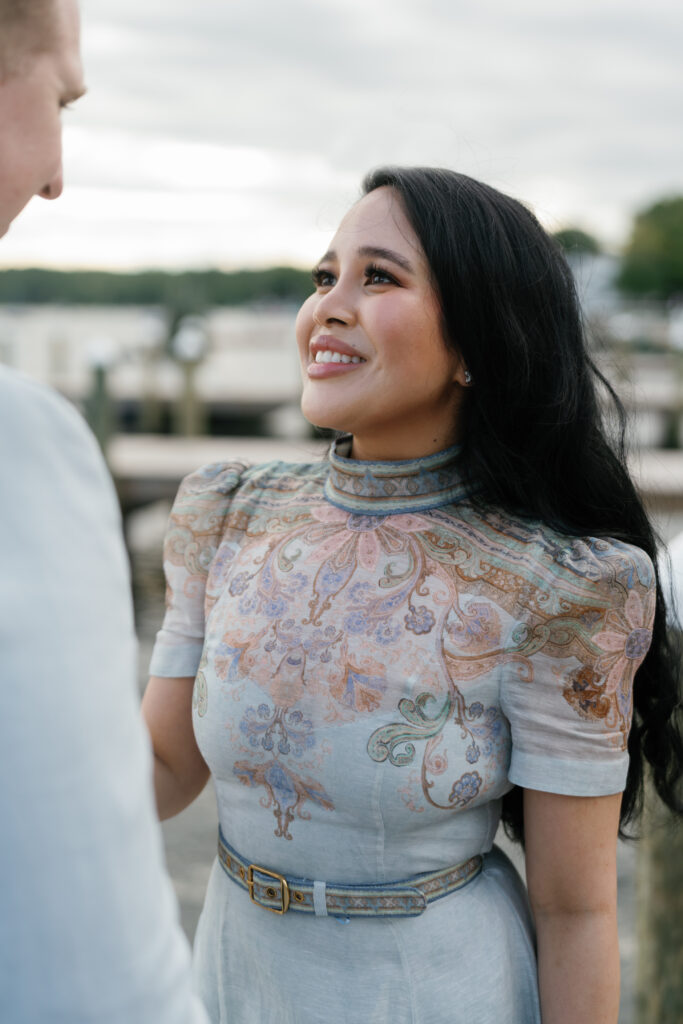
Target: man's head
point(40, 73)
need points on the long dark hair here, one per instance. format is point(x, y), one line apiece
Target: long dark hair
point(535, 440)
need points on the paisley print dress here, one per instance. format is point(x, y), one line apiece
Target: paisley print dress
point(377, 663)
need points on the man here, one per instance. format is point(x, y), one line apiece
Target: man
point(41, 72)
point(88, 921)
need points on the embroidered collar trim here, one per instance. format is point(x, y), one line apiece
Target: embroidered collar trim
point(385, 488)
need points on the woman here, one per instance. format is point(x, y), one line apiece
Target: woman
point(392, 645)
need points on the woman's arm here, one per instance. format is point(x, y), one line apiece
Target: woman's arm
point(180, 771)
point(571, 845)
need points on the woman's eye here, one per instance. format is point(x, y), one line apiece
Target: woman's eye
point(322, 278)
point(375, 275)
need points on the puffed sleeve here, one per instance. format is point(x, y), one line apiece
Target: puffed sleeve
point(569, 695)
point(194, 533)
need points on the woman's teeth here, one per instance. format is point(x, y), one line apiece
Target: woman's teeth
point(326, 356)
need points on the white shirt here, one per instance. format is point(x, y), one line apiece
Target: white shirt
point(88, 921)
point(671, 574)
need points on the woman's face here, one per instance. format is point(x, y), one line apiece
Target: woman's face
point(373, 357)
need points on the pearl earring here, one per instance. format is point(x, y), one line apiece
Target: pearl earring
point(468, 378)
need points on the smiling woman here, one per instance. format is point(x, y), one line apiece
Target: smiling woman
point(454, 620)
point(374, 302)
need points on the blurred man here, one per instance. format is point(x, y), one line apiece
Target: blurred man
point(40, 72)
point(88, 921)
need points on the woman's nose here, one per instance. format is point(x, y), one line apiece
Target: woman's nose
point(335, 306)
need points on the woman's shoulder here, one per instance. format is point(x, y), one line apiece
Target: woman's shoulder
point(592, 576)
point(601, 561)
point(216, 480)
point(557, 561)
point(222, 494)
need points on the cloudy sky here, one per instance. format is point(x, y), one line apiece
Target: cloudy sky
point(235, 132)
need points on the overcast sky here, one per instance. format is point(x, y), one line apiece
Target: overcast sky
point(235, 132)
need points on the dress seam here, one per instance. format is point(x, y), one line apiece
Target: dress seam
point(406, 970)
point(379, 820)
point(382, 868)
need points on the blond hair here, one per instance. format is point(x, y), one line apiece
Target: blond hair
point(26, 29)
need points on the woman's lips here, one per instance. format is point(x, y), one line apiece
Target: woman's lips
point(322, 370)
point(332, 357)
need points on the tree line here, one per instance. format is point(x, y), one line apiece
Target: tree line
point(186, 291)
point(651, 265)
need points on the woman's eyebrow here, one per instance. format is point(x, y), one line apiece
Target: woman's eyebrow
point(376, 251)
point(387, 254)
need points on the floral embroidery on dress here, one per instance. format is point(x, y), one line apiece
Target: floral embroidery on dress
point(585, 691)
point(626, 640)
point(286, 792)
point(482, 728)
point(605, 691)
point(465, 789)
point(319, 612)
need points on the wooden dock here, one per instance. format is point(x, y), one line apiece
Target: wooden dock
point(148, 468)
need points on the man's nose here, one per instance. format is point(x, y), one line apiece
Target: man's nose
point(53, 188)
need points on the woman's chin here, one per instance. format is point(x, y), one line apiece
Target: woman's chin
point(320, 416)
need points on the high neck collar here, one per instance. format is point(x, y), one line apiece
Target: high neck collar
point(385, 488)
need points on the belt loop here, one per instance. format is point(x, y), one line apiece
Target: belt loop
point(319, 899)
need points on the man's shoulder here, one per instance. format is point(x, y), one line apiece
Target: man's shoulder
point(47, 448)
point(38, 427)
point(25, 403)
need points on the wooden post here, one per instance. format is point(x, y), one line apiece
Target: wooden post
point(150, 405)
point(190, 416)
point(189, 345)
point(153, 336)
point(101, 407)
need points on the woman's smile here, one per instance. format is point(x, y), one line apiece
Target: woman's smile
point(330, 357)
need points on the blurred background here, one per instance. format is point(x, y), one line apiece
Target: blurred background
point(216, 150)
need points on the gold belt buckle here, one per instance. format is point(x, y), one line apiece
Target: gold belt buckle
point(284, 888)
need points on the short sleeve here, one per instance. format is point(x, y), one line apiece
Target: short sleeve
point(568, 695)
point(196, 527)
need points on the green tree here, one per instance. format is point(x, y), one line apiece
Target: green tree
point(575, 240)
point(652, 263)
point(186, 292)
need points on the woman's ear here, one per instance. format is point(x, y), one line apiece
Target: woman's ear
point(462, 375)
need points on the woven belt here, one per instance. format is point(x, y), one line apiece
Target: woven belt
point(406, 898)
